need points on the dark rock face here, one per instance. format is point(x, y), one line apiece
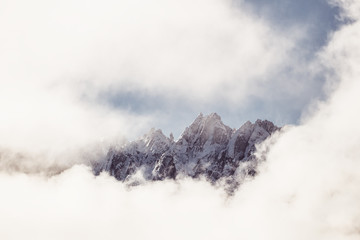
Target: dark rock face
point(164, 168)
point(207, 148)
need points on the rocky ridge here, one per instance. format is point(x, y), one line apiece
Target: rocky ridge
point(207, 148)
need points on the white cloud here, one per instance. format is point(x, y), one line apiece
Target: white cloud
point(59, 57)
point(311, 176)
point(308, 188)
point(194, 49)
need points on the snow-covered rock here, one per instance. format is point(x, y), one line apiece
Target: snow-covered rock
point(207, 148)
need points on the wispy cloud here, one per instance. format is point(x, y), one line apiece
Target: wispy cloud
point(307, 189)
point(59, 58)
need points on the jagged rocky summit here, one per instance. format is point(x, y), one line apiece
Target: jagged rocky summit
point(207, 148)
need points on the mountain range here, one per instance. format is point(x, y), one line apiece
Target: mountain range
point(206, 149)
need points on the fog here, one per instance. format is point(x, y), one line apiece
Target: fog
point(306, 189)
point(62, 59)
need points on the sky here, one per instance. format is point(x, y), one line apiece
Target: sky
point(317, 18)
point(163, 63)
point(77, 76)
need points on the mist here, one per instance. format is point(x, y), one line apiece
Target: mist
point(62, 60)
point(51, 116)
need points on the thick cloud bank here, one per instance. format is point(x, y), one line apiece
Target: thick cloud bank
point(60, 60)
point(307, 189)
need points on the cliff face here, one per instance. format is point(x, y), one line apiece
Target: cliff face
point(207, 148)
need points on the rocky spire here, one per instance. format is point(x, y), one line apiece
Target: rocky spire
point(205, 129)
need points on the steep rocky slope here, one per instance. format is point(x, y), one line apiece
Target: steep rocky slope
point(207, 148)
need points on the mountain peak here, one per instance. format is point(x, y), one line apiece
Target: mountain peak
point(267, 125)
point(202, 117)
point(154, 133)
point(155, 139)
point(214, 116)
point(205, 129)
point(206, 148)
point(208, 120)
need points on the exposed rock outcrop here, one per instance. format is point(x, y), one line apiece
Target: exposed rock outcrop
point(207, 148)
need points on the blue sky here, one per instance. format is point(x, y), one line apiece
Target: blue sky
point(77, 75)
point(319, 19)
point(119, 68)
